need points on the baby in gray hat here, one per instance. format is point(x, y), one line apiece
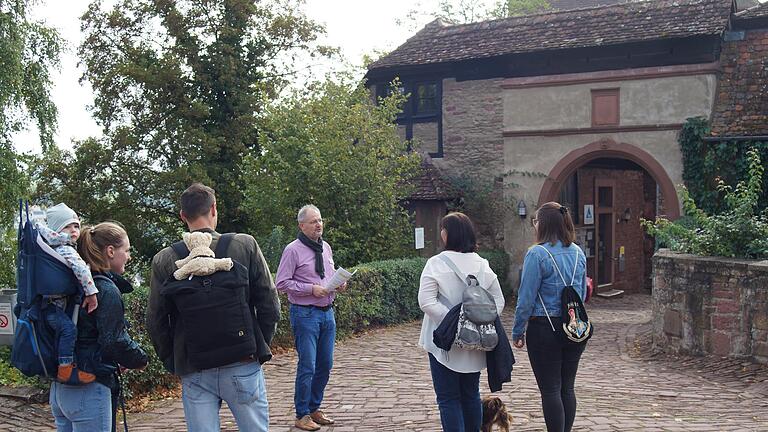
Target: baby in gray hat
point(61, 234)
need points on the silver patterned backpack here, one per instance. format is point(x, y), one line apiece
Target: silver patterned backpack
point(476, 328)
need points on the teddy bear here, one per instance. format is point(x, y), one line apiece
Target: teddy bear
point(201, 260)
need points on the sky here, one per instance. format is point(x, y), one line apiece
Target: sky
point(356, 26)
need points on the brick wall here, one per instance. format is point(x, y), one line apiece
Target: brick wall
point(740, 107)
point(628, 193)
point(710, 305)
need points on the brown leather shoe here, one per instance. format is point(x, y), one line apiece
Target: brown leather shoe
point(306, 423)
point(320, 418)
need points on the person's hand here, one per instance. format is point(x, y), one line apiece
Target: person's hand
point(520, 342)
point(319, 291)
point(90, 303)
point(342, 287)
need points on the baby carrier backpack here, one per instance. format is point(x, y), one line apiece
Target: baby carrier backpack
point(213, 311)
point(577, 328)
point(476, 328)
point(40, 272)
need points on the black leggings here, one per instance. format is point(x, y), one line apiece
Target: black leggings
point(554, 364)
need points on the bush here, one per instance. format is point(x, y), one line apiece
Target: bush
point(739, 231)
point(10, 376)
point(380, 293)
point(154, 376)
point(499, 262)
point(272, 246)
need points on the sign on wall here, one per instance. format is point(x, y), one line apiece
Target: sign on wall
point(419, 233)
point(589, 214)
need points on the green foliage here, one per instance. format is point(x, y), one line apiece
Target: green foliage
point(179, 86)
point(704, 163)
point(272, 246)
point(469, 11)
point(329, 145)
point(10, 376)
point(15, 185)
point(499, 262)
point(740, 230)
point(154, 376)
point(28, 51)
point(509, 8)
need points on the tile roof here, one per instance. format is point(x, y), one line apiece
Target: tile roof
point(758, 11)
point(431, 185)
point(608, 25)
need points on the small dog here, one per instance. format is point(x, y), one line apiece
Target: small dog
point(495, 413)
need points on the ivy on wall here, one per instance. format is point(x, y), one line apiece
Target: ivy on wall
point(707, 162)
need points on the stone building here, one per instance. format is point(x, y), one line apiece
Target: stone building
point(578, 106)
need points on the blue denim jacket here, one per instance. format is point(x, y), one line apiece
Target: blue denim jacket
point(540, 276)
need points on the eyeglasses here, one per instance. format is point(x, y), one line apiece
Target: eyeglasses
point(318, 221)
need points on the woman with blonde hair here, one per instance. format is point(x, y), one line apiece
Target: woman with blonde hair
point(547, 264)
point(103, 345)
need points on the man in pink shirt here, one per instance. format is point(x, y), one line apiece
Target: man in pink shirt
point(305, 268)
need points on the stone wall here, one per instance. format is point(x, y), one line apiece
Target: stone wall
point(710, 305)
point(742, 96)
point(473, 145)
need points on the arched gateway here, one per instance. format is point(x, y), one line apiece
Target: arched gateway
point(610, 186)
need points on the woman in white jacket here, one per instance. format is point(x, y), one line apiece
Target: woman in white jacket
point(455, 373)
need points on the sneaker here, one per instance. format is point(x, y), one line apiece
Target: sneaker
point(306, 423)
point(320, 418)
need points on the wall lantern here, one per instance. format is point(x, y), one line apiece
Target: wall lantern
point(522, 210)
point(626, 216)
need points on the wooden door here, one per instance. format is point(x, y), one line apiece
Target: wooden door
point(605, 233)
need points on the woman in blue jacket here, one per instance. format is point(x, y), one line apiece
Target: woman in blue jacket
point(554, 363)
point(103, 345)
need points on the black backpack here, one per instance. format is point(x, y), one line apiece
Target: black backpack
point(213, 312)
point(577, 329)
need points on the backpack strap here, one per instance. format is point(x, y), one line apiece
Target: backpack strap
point(223, 244)
point(575, 265)
point(561, 278)
point(181, 249)
point(453, 267)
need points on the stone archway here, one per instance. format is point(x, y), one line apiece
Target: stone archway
point(608, 148)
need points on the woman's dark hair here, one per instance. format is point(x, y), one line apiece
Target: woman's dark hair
point(554, 223)
point(460, 232)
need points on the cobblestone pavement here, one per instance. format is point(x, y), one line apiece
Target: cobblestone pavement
point(381, 382)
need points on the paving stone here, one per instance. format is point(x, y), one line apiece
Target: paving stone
point(381, 382)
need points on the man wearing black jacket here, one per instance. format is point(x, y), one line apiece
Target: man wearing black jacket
point(240, 384)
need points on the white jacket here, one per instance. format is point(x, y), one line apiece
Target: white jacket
point(437, 279)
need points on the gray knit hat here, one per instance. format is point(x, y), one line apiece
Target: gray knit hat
point(60, 216)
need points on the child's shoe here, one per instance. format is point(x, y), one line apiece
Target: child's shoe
point(70, 374)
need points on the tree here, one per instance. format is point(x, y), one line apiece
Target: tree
point(469, 11)
point(28, 51)
point(179, 86)
point(331, 146)
point(509, 8)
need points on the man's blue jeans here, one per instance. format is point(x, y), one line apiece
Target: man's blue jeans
point(458, 397)
point(240, 384)
point(314, 333)
point(84, 408)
